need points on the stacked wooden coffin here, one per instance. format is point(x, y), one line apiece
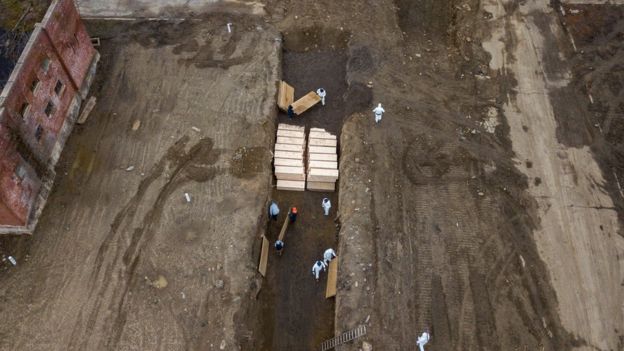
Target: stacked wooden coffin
point(322, 170)
point(288, 157)
point(286, 97)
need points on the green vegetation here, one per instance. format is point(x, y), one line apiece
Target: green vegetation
point(13, 10)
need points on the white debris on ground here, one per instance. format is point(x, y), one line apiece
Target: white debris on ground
point(491, 121)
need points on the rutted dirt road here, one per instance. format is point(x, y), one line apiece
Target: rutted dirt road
point(578, 235)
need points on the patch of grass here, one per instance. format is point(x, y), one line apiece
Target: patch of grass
point(13, 10)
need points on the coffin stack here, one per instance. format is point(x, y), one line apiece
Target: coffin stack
point(322, 167)
point(288, 157)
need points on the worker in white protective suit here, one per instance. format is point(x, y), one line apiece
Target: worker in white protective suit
point(326, 206)
point(273, 210)
point(329, 255)
point(379, 111)
point(423, 340)
point(321, 93)
point(316, 269)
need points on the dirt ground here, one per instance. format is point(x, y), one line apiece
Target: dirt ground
point(485, 207)
point(121, 261)
point(301, 317)
point(466, 212)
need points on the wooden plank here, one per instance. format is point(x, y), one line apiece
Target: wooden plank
point(86, 110)
point(285, 95)
point(323, 164)
point(304, 103)
point(318, 130)
point(322, 157)
point(295, 141)
point(288, 162)
point(289, 173)
point(291, 185)
point(322, 175)
point(291, 133)
point(321, 186)
point(264, 256)
point(321, 150)
point(289, 147)
point(322, 142)
point(282, 233)
point(289, 154)
point(322, 135)
point(284, 126)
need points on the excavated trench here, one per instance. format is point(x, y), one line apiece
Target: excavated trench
point(296, 315)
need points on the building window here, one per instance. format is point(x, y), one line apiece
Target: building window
point(34, 85)
point(39, 132)
point(45, 64)
point(24, 110)
point(59, 88)
point(49, 110)
point(20, 172)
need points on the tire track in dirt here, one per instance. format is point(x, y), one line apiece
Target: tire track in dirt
point(128, 248)
point(582, 262)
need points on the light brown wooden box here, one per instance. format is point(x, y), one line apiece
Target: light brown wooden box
point(332, 279)
point(285, 95)
point(284, 126)
point(322, 135)
point(304, 103)
point(295, 141)
point(289, 154)
point(289, 147)
point(291, 133)
point(323, 164)
point(292, 185)
point(321, 186)
point(289, 173)
point(321, 150)
point(264, 256)
point(322, 157)
point(288, 162)
point(322, 175)
point(322, 142)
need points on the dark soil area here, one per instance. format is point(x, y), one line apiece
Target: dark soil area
point(596, 116)
point(296, 314)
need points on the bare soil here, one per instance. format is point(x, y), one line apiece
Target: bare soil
point(485, 207)
point(121, 261)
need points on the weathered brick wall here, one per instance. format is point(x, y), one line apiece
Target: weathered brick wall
point(37, 129)
point(38, 106)
point(70, 38)
point(19, 184)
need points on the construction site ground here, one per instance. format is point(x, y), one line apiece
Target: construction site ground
point(485, 207)
point(121, 260)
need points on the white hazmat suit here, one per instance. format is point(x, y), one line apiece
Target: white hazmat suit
point(423, 340)
point(329, 255)
point(316, 269)
point(379, 111)
point(326, 204)
point(321, 93)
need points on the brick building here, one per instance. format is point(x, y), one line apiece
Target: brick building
point(38, 108)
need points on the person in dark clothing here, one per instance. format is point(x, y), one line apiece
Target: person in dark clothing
point(292, 215)
point(291, 112)
point(279, 246)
